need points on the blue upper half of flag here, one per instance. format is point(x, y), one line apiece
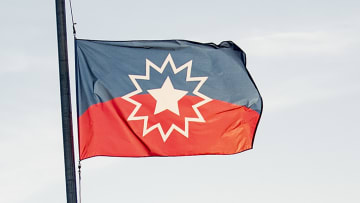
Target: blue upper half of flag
point(103, 69)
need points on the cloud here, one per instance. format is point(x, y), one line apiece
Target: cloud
point(290, 43)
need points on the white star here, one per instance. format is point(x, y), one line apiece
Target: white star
point(167, 97)
point(150, 65)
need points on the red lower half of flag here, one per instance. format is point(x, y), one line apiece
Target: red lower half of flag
point(105, 128)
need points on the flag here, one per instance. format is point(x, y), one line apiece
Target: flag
point(164, 98)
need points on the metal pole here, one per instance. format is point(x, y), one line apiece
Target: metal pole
point(66, 103)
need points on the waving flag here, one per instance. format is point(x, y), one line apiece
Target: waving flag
point(164, 98)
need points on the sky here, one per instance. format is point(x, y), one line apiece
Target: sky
point(303, 56)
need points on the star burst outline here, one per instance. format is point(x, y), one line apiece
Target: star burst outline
point(150, 64)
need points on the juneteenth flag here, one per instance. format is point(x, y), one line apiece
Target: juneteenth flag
point(164, 98)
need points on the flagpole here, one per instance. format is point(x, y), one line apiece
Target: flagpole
point(66, 103)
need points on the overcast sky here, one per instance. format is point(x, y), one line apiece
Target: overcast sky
point(303, 56)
